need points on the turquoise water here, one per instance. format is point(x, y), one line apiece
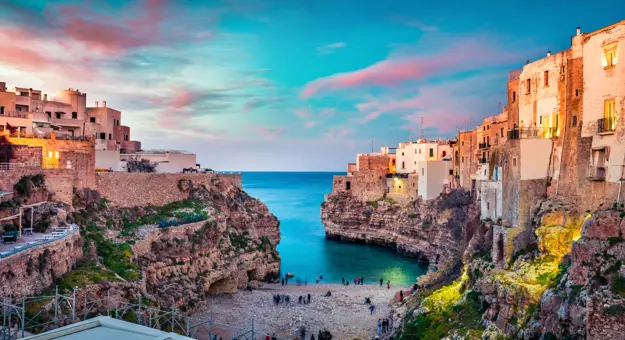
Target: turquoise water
point(295, 198)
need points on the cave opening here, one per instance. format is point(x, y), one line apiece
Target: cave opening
point(500, 247)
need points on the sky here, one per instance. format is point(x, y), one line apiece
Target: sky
point(291, 85)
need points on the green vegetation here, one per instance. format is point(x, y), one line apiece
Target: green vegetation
point(615, 240)
point(167, 215)
point(618, 285)
point(27, 183)
point(264, 242)
point(85, 273)
point(115, 256)
point(240, 241)
point(614, 310)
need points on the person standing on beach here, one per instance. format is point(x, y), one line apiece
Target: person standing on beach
point(317, 279)
point(362, 280)
point(308, 297)
point(343, 280)
point(282, 280)
point(379, 326)
point(388, 284)
point(381, 281)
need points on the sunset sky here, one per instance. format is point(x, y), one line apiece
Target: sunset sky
point(286, 85)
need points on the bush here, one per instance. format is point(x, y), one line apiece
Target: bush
point(136, 164)
point(618, 285)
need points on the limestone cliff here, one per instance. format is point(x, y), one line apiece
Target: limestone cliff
point(437, 231)
point(215, 241)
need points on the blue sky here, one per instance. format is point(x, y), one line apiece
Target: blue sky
point(286, 85)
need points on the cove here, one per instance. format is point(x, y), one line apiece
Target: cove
point(295, 198)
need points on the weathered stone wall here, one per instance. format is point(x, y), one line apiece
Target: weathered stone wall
point(31, 271)
point(511, 181)
point(373, 162)
point(468, 161)
point(351, 167)
point(59, 182)
point(10, 153)
point(126, 189)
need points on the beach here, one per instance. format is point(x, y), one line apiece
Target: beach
point(344, 313)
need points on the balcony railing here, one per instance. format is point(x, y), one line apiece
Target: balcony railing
point(15, 114)
point(606, 125)
point(536, 132)
point(484, 145)
point(595, 173)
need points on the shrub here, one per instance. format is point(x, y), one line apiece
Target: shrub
point(618, 285)
point(137, 164)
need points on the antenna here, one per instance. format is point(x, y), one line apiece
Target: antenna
point(372, 146)
point(422, 136)
point(409, 133)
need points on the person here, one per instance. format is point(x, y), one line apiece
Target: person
point(312, 337)
point(274, 337)
point(267, 337)
point(362, 281)
point(347, 283)
point(401, 295)
point(320, 277)
point(381, 280)
point(388, 284)
point(379, 326)
point(317, 279)
point(384, 324)
point(215, 337)
point(282, 281)
point(343, 281)
point(356, 281)
point(371, 308)
point(308, 297)
point(300, 300)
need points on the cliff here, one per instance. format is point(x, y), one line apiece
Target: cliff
point(437, 231)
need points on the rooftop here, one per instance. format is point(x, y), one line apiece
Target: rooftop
point(104, 328)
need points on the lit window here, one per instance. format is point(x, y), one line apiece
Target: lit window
point(56, 154)
point(609, 109)
point(49, 154)
point(610, 58)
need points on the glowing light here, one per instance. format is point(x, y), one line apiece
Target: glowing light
point(49, 154)
point(56, 154)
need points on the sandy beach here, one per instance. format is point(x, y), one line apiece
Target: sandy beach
point(344, 313)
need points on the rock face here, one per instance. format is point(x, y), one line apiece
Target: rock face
point(216, 241)
point(588, 301)
point(437, 231)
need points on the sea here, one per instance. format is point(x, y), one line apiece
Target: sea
point(295, 198)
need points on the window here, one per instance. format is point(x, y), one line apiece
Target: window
point(513, 161)
point(484, 128)
point(419, 151)
point(1, 110)
point(68, 164)
point(74, 115)
point(462, 143)
point(415, 162)
point(610, 58)
point(501, 132)
point(540, 120)
point(92, 119)
point(102, 135)
point(110, 137)
point(451, 172)
point(402, 153)
point(422, 171)
point(444, 153)
point(403, 165)
point(513, 96)
point(415, 151)
point(546, 76)
point(528, 85)
point(49, 114)
point(58, 115)
point(348, 185)
point(562, 69)
point(431, 152)
point(488, 127)
point(576, 92)
point(24, 94)
point(574, 121)
point(609, 109)
point(462, 159)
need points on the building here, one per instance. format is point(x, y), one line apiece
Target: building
point(168, 161)
point(105, 327)
point(409, 154)
point(467, 147)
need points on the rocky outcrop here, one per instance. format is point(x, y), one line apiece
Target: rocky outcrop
point(437, 231)
point(588, 300)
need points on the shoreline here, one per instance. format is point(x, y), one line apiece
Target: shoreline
point(344, 313)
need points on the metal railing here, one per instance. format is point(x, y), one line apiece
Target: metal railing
point(38, 314)
point(605, 125)
point(15, 166)
point(73, 229)
point(595, 173)
point(15, 114)
point(484, 145)
point(535, 132)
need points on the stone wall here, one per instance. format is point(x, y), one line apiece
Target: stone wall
point(468, 161)
point(373, 162)
point(10, 153)
point(59, 182)
point(351, 167)
point(125, 189)
point(31, 271)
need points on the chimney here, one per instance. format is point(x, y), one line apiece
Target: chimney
point(579, 31)
point(97, 104)
point(548, 53)
point(45, 97)
point(3, 86)
point(104, 103)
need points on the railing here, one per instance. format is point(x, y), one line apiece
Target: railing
point(26, 246)
point(15, 114)
point(14, 166)
point(38, 314)
point(595, 173)
point(606, 125)
point(484, 145)
point(535, 132)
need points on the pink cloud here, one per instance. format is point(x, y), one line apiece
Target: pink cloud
point(395, 70)
point(268, 133)
point(311, 124)
point(327, 49)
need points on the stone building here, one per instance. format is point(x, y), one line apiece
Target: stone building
point(467, 146)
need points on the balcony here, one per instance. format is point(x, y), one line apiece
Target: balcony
point(595, 173)
point(15, 114)
point(535, 132)
point(484, 145)
point(40, 117)
point(606, 125)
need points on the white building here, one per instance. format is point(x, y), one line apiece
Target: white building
point(433, 177)
point(409, 154)
point(604, 95)
point(168, 161)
